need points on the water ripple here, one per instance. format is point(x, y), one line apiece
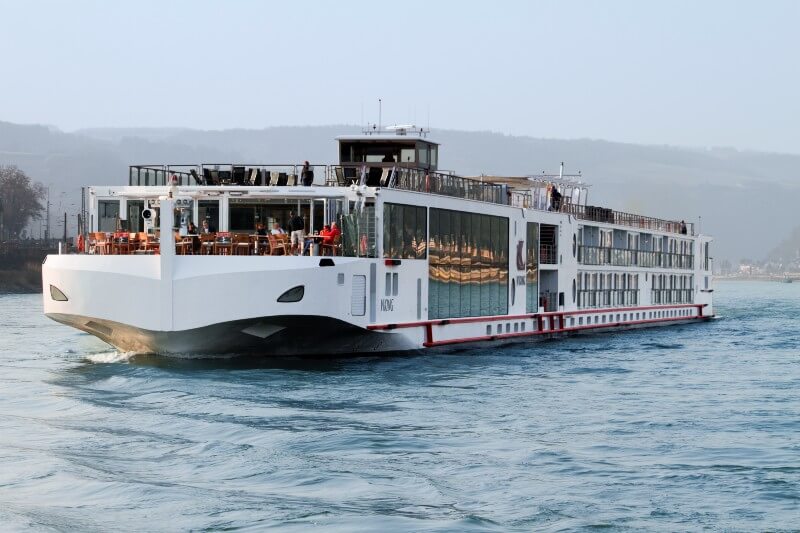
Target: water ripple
point(683, 428)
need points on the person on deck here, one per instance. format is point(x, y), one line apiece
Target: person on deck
point(277, 229)
point(325, 233)
point(306, 175)
point(207, 227)
point(297, 230)
point(261, 229)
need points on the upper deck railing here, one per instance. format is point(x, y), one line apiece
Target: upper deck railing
point(387, 175)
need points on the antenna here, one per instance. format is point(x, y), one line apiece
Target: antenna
point(561, 171)
point(380, 110)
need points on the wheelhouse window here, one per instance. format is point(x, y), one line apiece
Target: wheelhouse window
point(404, 231)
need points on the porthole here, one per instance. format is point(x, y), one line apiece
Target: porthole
point(574, 245)
point(574, 290)
point(295, 294)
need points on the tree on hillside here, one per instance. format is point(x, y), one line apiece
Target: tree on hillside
point(20, 200)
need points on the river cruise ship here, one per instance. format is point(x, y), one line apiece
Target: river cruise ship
point(183, 260)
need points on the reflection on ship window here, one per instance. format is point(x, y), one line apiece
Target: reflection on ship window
point(532, 268)
point(404, 231)
point(468, 266)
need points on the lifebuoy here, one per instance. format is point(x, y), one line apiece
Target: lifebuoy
point(80, 242)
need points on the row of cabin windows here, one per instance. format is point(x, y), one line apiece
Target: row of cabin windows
point(604, 238)
point(608, 280)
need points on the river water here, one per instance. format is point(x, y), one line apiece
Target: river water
point(681, 428)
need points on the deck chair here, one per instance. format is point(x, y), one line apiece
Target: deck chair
point(291, 181)
point(340, 179)
point(276, 247)
point(273, 178)
point(253, 177)
point(384, 181)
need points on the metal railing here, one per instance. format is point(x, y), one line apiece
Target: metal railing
point(548, 254)
point(223, 174)
point(597, 255)
point(390, 175)
point(418, 180)
point(609, 216)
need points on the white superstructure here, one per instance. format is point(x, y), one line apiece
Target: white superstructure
point(425, 259)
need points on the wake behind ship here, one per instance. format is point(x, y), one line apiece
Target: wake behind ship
point(382, 252)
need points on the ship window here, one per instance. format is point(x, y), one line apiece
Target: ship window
point(340, 278)
point(107, 215)
point(407, 155)
point(488, 329)
point(468, 267)
point(516, 327)
point(388, 284)
point(295, 294)
point(405, 233)
point(395, 283)
point(208, 210)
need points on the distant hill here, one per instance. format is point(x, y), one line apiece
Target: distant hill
point(788, 250)
point(747, 199)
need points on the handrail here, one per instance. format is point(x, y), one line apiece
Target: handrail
point(398, 176)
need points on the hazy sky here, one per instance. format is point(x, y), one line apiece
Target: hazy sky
point(719, 73)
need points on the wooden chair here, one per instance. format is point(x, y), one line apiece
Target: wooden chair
point(183, 245)
point(207, 243)
point(332, 248)
point(151, 245)
point(121, 244)
point(241, 244)
point(276, 247)
point(223, 244)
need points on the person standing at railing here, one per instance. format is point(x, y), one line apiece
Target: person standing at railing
point(683, 228)
point(555, 199)
point(307, 175)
